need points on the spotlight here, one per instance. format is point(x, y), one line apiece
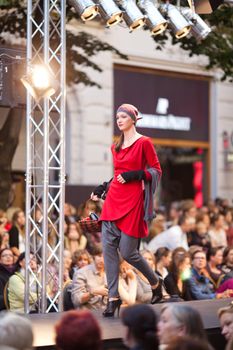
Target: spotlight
point(86, 9)
point(109, 11)
point(39, 83)
point(176, 21)
point(199, 28)
point(131, 14)
point(154, 20)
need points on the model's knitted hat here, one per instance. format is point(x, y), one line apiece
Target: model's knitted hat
point(131, 110)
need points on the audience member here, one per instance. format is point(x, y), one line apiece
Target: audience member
point(89, 284)
point(179, 320)
point(78, 329)
point(17, 233)
point(16, 286)
point(7, 268)
point(158, 225)
point(15, 331)
point(228, 217)
point(200, 286)
point(163, 257)
point(144, 293)
point(228, 260)
point(200, 236)
point(217, 233)
point(69, 213)
point(176, 282)
point(175, 236)
point(213, 267)
point(127, 284)
point(74, 239)
point(225, 315)
point(141, 324)
point(80, 258)
point(4, 236)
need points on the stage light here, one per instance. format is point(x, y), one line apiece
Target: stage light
point(154, 20)
point(131, 14)
point(176, 21)
point(86, 9)
point(109, 11)
point(199, 28)
point(39, 82)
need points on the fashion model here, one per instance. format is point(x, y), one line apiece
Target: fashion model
point(128, 206)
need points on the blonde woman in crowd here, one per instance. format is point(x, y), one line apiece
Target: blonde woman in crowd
point(225, 315)
point(144, 292)
point(74, 239)
point(127, 284)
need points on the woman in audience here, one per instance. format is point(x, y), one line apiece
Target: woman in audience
point(80, 258)
point(16, 287)
point(228, 260)
point(74, 239)
point(163, 258)
point(15, 331)
point(177, 279)
point(7, 269)
point(213, 267)
point(225, 315)
point(179, 320)
point(217, 233)
point(127, 284)
point(228, 216)
point(17, 233)
point(144, 293)
point(141, 324)
point(78, 330)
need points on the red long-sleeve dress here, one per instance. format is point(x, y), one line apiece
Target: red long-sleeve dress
point(124, 202)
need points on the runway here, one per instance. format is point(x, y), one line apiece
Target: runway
point(112, 329)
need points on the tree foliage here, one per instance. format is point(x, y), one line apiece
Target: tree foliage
point(218, 46)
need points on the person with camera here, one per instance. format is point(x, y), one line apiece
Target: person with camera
point(128, 206)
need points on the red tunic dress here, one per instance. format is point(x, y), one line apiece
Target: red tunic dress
point(124, 202)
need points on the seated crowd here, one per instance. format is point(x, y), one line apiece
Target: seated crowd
point(177, 327)
point(190, 248)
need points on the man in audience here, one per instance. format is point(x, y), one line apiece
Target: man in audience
point(89, 284)
point(174, 237)
point(200, 286)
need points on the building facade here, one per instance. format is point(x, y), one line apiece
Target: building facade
point(187, 112)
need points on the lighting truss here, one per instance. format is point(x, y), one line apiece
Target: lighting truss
point(45, 169)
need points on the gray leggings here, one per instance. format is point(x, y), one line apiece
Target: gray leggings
point(114, 239)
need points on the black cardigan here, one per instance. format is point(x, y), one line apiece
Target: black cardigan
point(172, 288)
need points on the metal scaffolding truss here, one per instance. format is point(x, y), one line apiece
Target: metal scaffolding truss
point(45, 169)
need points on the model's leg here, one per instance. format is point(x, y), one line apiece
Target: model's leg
point(111, 238)
point(129, 251)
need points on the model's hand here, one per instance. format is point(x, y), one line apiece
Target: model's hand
point(94, 197)
point(120, 179)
